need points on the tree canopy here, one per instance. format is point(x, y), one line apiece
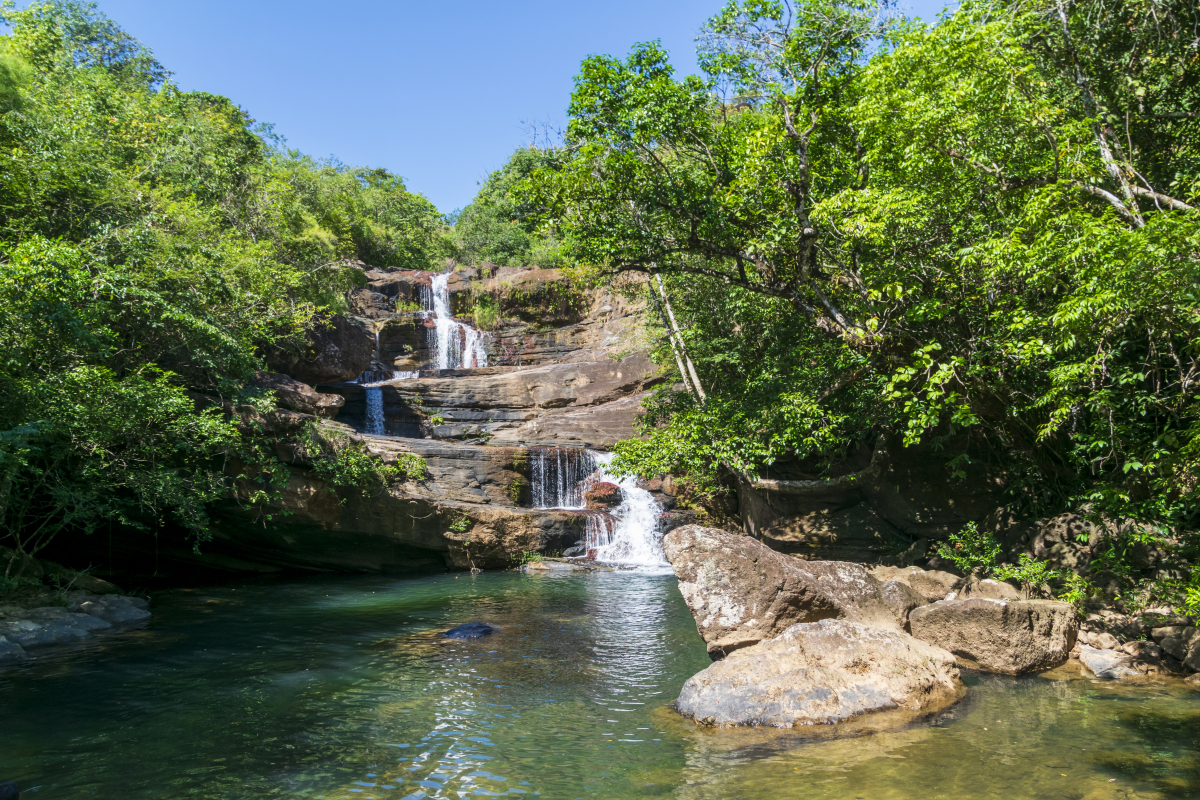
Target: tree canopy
point(152, 243)
point(867, 225)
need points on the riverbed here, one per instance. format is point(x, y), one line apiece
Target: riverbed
point(344, 689)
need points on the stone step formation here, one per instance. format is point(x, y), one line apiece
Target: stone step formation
point(510, 421)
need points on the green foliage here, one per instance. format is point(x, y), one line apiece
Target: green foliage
point(486, 313)
point(985, 226)
point(1029, 572)
point(460, 522)
point(528, 557)
point(344, 464)
point(516, 490)
point(971, 549)
point(499, 226)
point(153, 242)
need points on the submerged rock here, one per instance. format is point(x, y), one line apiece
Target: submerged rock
point(50, 625)
point(10, 791)
point(821, 673)
point(1108, 664)
point(1004, 636)
point(472, 630)
point(11, 652)
point(740, 591)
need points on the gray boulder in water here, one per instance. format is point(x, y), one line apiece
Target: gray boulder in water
point(741, 592)
point(1005, 636)
point(821, 673)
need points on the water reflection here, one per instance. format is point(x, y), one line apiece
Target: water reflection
point(344, 689)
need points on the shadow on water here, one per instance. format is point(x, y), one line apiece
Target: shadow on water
point(345, 688)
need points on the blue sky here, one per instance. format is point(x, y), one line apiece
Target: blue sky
point(436, 92)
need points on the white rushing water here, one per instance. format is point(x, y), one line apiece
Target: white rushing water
point(374, 424)
point(456, 345)
point(630, 536)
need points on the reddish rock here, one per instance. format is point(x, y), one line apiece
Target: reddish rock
point(603, 495)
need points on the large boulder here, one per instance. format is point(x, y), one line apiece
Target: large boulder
point(821, 673)
point(292, 394)
point(932, 584)
point(11, 652)
point(337, 349)
point(1009, 637)
point(740, 591)
point(902, 599)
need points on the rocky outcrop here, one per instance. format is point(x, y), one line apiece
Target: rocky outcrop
point(902, 599)
point(741, 592)
point(296, 396)
point(602, 495)
point(818, 674)
point(1008, 637)
point(337, 349)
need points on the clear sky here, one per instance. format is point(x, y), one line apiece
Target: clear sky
point(435, 92)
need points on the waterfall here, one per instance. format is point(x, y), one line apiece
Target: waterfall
point(629, 536)
point(374, 424)
point(456, 345)
point(560, 476)
point(635, 540)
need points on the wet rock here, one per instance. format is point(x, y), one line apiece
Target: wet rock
point(50, 625)
point(820, 673)
point(472, 630)
point(1108, 664)
point(603, 495)
point(11, 652)
point(10, 791)
point(988, 589)
point(337, 349)
point(1193, 681)
point(292, 394)
point(902, 599)
point(115, 609)
point(1004, 636)
point(740, 591)
point(932, 584)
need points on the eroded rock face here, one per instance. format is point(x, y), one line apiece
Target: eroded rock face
point(932, 584)
point(296, 396)
point(337, 349)
point(740, 591)
point(821, 673)
point(1004, 636)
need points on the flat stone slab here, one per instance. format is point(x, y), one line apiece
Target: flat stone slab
point(821, 673)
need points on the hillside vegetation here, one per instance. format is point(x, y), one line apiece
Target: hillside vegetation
point(152, 243)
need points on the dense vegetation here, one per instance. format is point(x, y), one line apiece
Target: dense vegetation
point(152, 243)
point(867, 226)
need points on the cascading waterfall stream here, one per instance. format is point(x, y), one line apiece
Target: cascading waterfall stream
point(630, 537)
point(372, 381)
point(456, 345)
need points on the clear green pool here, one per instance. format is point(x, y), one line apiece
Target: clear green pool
point(342, 689)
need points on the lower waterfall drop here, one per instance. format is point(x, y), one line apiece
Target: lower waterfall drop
point(374, 424)
point(635, 540)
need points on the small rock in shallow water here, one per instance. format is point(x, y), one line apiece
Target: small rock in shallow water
point(1108, 664)
point(1193, 681)
point(10, 791)
point(472, 630)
